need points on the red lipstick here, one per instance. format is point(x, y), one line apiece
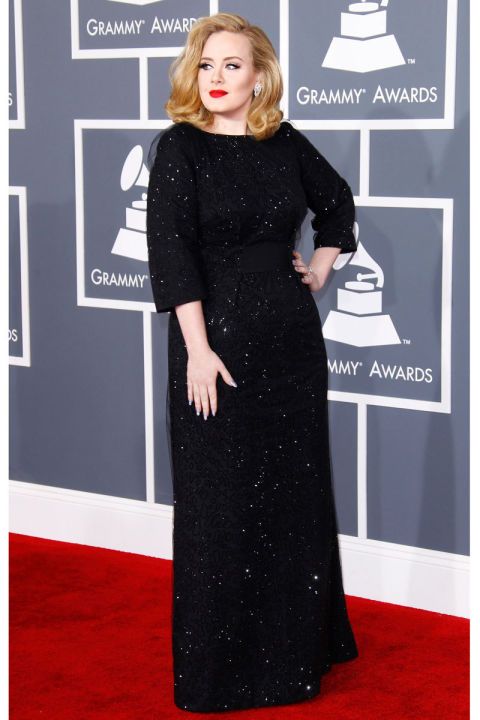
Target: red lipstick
point(217, 93)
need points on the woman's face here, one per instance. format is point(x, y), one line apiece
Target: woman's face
point(226, 67)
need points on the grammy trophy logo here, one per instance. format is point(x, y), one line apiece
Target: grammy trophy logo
point(131, 241)
point(358, 319)
point(363, 44)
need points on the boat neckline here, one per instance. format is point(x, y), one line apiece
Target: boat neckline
point(227, 135)
point(207, 132)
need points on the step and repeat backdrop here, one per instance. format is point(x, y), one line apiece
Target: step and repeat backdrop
point(381, 89)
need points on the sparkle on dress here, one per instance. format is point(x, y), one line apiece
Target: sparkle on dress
point(258, 611)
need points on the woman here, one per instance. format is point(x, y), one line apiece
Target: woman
point(258, 604)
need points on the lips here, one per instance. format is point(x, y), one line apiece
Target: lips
point(217, 93)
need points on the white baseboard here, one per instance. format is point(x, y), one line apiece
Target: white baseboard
point(372, 569)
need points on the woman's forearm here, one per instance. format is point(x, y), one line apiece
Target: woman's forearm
point(192, 323)
point(322, 261)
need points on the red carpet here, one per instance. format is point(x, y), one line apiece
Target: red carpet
point(90, 638)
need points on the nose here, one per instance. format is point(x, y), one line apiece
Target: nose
point(216, 77)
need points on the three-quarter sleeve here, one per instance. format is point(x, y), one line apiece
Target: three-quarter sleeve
point(328, 195)
point(174, 256)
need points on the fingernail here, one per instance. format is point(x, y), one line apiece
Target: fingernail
point(213, 413)
point(198, 412)
point(189, 402)
point(204, 416)
point(234, 383)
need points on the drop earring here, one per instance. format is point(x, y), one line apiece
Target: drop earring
point(257, 89)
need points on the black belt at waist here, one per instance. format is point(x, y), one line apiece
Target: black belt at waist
point(266, 255)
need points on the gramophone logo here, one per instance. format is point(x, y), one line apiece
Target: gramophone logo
point(131, 240)
point(359, 319)
point(364, 44)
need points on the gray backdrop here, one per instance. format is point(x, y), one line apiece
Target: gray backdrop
point(384, 98)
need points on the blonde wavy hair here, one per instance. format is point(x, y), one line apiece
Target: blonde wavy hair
point(185, 105)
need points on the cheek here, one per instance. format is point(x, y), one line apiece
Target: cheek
point(243, 84)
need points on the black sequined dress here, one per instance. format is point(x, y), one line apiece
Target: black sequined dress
point(259, 609)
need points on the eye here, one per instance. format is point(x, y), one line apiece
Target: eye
point(205, 64)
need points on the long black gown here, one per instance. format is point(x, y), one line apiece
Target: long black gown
point(258, 610)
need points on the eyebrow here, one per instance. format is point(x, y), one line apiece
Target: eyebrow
point(230, 57)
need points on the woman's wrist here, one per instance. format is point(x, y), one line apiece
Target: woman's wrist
point(320, 271)
point(322, 261)
point(192, 323)
point(198, 347)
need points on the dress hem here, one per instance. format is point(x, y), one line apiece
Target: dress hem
point(274, 703)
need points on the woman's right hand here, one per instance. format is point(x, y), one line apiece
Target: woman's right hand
point(202, 368)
